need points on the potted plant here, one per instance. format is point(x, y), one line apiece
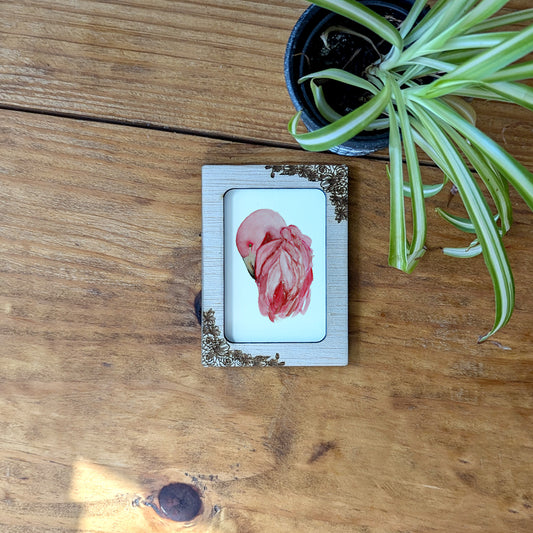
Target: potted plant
point(425, 66)
point(322, 39)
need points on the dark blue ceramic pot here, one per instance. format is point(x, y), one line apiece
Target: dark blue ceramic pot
point(302, 42)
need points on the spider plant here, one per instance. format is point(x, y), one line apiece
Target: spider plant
point(456, 50)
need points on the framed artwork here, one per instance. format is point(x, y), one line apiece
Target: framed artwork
point(274, 265)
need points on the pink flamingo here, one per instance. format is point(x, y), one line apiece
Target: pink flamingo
point(262, 226)
point(279, 258)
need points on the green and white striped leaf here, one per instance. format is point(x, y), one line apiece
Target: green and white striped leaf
point(412, 16)
point(498, 187)
point(363, 15)
point(479, 213)
point(476, 40)
point(427, 190)
point(516, 93)
point(397, 232)
point(515, 72)
point(416, 249)
point(456, 18)
point(342, 129)
point(464, 253)
point(462, 107)
point(475, 13)
point(523, 15)
point(322, 106)
point(463, 224)
point(489, 61)
point(440, 17)
point(338, 74)
point(517, 175)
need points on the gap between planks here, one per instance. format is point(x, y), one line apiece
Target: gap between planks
point(170, 129)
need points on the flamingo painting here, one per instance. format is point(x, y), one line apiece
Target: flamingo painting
point(280, 260)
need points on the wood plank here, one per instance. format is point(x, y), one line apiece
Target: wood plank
point(208, 67)
point(103, 398)
point(199, 66)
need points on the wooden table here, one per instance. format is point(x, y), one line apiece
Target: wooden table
point(108, 110)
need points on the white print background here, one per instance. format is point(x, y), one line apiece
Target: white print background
point(304, 208)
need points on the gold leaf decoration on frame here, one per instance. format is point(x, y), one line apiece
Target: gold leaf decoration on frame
point(217, 352)
point(332, 178)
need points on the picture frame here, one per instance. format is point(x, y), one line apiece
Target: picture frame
point(274, 265)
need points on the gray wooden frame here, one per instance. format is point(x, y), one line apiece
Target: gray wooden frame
point(216, 349)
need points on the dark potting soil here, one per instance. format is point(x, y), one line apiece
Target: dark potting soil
point(347, 52)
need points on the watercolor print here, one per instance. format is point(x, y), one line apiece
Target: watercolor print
point(280, 259)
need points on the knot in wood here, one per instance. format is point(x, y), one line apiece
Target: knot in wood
point(180, 502)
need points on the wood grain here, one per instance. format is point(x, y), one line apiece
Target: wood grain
point(103, 398)
point(213, 68)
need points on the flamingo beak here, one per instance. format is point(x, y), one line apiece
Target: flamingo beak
point(249, 261)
